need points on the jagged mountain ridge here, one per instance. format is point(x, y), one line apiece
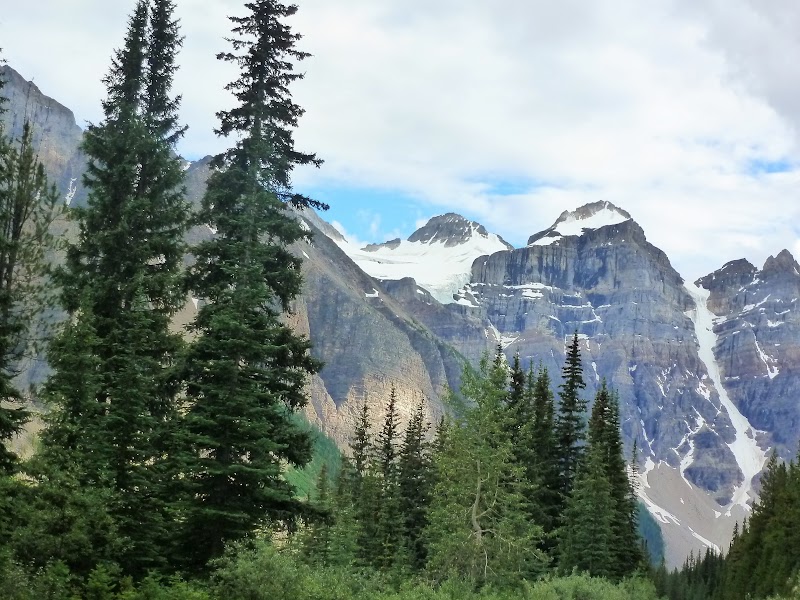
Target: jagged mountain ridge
point(646, 331)
point(592, 270)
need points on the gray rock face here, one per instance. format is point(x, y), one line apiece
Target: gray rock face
point(758, 328)
point(368, 340)
point(632, 313)
point(56, 135)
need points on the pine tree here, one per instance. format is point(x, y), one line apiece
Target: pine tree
point(537, 454)
point(414, 487)
point(569, 425)
point(360, 492)
point(318, 542)
point(587, 539)
point(516, 392)
point(604, 437)
point(28, 206)
point(388, 526)
point(361, 443)
point(246, 369)
point(123, 301)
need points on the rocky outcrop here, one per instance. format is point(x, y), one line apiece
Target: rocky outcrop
point(56, 135)
point(758, 328)
point(368, 341)
point(633, 315)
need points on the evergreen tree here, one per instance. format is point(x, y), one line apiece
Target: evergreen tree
point(362, 490)
point(538, 456)
point(414, 487)
point(388, 525)
point(246, 369)
point(361, 443)
point(516, 392)
point(28, 206)
point(318, 543)
point(604, 438)
point(569, 424)
point(478, 529)
point(123, 301)
point(587, 538)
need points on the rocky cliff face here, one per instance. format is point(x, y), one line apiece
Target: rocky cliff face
point(757, 321)
point(634, 317)
point(56, 135)
point(368, 340)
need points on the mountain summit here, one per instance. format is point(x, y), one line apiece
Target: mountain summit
point(575, 223)
point(438, 256)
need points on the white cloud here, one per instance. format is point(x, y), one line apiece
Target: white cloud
point(671, 109)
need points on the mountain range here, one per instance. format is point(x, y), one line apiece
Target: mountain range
point(707, 371)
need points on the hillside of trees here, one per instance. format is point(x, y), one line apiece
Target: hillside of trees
point(175, 465)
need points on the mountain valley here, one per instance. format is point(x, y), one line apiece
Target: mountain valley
point(706, 371)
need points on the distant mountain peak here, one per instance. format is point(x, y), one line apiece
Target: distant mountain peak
point(438, 256)
point(451, 229)
point(784, 261)
point(573, 223)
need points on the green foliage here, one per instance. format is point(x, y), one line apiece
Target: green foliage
point(28, 206)
point(536, 452)
point(587, 540)
point(326, 455)
point(61, 520)
point(415, 482)
point(600, 531)
point(570, 424)
point(388, 520)
point(113, 386)
point(478, 529)
point(262, 572)
point(246, 370)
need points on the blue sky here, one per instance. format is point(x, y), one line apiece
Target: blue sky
point(371, 215)
point(686, 114)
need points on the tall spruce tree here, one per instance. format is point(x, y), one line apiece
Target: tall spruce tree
point(414, 487)
point(246, 369)
point(570, 420)
point(516, 391)
point(604, 438)
point(586, 539)
point(122, 284)
point(28, 206)
point(388, 526)
point(539, 457)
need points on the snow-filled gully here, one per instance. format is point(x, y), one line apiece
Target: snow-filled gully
point(749, 456)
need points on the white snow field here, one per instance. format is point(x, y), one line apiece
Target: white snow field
point(749, 455)
point(441, 270)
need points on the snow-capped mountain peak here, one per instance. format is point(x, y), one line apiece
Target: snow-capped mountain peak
point(438, 256)
point(574, 223)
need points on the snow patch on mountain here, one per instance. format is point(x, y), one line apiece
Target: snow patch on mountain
point(575, 223)
point(749, 455)
point(438, 264)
